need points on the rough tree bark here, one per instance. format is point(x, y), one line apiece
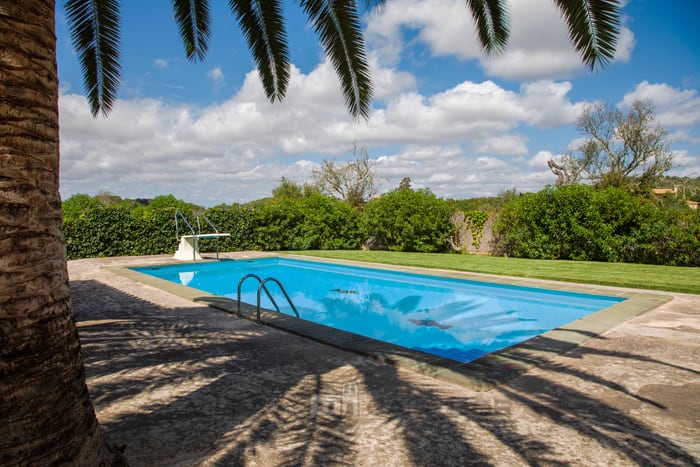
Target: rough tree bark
point(46, 417)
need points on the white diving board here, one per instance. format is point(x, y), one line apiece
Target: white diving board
point(189, 246)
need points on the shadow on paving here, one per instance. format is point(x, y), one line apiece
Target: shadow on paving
point(172, 384)
point(182, 386)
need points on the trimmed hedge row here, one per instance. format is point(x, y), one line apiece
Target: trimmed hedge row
point(570, 222)
point(314, 222)
point(115, 232)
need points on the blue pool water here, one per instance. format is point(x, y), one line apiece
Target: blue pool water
point(457, 319)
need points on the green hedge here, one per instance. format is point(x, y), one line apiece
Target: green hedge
point(116, 232)
point(579, 222)
point(570, 222)
point(312, 222)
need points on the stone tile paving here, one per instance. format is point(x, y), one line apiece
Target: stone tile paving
point(177, 383)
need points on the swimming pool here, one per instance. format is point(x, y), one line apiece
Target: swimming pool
point(461, 320)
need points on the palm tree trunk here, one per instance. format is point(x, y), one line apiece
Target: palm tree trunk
point(46, 417)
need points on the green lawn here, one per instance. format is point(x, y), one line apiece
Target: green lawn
point(638, 276)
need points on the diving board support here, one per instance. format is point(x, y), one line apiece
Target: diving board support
point(189, 246)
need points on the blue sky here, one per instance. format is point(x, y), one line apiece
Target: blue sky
point(444, 115)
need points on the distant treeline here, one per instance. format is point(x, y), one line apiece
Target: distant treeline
point(575, 222)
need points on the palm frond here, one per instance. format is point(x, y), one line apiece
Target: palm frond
point(594, 26)
point(262, 23)
point(194, 23)
point(492, 24)
point(338, 25)
point(94, 31)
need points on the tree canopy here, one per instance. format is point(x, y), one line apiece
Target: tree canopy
point(354, 181)
point(623, 149)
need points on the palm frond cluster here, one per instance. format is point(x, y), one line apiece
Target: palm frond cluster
point(94, 24)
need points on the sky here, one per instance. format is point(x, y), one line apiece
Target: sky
point(451, 119)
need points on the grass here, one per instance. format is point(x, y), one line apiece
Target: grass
point(636, 276)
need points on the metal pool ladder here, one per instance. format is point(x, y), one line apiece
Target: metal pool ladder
point(263, 287)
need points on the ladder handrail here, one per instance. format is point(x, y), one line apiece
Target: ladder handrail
point(196, 235)
point(289, 300)
point(240, 284)
point(269, 295)
point(199, 228)
point(208, 222)
point(177, 230)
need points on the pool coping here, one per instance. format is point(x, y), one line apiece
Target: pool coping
point(482, 374)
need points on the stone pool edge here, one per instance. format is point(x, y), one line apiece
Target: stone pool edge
point(482, 374)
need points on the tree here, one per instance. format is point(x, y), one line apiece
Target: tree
point(77, 204)
point(623, 149)
point(288, 189)
point(107, 199)
point(567, 169)
point(353, 181)
point(171, 202)
point(45, 413)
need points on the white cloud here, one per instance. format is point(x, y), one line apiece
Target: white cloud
point(539, 46)
point(548, 104)
point(683, 159)
point(674, 108)
point(469, 140)
point(451, 171)
point(540, 159)
point(177, 147)
point(576, 143)
point(685, 164)
point(625, 45)
point(389, 82)
point(215, 74)
point(160, 63)
point(503, 144)
point(445, 25)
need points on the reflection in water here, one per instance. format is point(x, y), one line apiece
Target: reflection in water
point(186, 277)
point(463, 329)
point(448, 325)
point(344, 291)
point(430, 322)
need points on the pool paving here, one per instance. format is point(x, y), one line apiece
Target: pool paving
point(176, 382)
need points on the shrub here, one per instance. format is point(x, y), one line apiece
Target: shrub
point(578, 222)
point(408, 220)
point(329, 224)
